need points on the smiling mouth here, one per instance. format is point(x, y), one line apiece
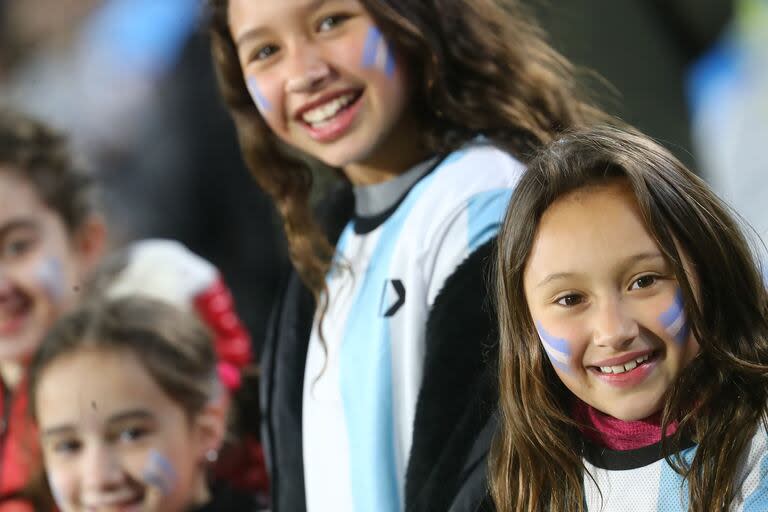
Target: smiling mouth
point(629, 366)
point(322, 115)
point(12, 315)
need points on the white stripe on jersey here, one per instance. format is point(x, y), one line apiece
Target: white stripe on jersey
point(358, 415)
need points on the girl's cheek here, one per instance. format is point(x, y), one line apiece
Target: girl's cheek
point(673, 320)
point(559, 350)
point(159, 473)
point(58, 491)
point(49, 272)
point(377, 54)
point(263, 103)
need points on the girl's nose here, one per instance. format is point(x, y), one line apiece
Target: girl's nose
point(101, 469)
point(614, 326)
point(6, 285)
point(308, 71)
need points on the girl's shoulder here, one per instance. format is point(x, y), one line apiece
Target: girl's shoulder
point(467, 179)
point(478, 165)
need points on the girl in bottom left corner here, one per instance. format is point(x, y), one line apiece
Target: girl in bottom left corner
point(131, 410)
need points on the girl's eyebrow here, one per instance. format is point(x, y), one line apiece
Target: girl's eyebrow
point(257, 32)
point(57, 430)
point(18, 223)
point(625, 264)
point(133, 414)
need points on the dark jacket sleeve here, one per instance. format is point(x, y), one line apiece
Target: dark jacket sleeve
point(454, 421)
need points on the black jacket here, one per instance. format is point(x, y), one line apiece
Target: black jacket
point(454, 423)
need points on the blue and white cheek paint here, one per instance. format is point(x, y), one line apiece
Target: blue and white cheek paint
point(377, 54)
point(159, 472)
point(673, 320)
point(56, 494)
point(50, 273)
point(558, 349)
point(261, 101)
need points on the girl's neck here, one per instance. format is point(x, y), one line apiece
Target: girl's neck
point(202, 493)
point(11, 373)
point(615, 434)
point(399, 150)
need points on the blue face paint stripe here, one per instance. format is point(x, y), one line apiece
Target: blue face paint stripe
point(562, 366)
point(159, 472)
point(389, 69)
point(374, 45)
point(51, 275)
point(559, 344)
point(671, 315)
point(366, 376)
point(673, 319)
point(371, 47)
point(261, 101)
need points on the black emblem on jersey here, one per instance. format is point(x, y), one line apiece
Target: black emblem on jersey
point(392, 297)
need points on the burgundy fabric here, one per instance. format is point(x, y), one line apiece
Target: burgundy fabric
point(19, 449)
point(615, 434)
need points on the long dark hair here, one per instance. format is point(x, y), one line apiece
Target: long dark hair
point(478, 67)
point(720, 397)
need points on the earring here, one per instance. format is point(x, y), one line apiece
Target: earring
point(212, 455)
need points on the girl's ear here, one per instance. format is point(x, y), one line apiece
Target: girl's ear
point(211, 426)
point(90, 242)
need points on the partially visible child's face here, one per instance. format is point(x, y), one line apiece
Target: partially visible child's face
point(606, 304)
point(40, 268)
point(322, 76)
point(113, 440)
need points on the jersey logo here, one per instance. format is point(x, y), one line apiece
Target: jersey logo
point(392, 297)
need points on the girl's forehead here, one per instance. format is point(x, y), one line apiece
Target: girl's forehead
point(591, 228)
point(91, 388)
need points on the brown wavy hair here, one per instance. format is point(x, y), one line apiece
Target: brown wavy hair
point(478, 67)
point(41, 156)
point(720, 397)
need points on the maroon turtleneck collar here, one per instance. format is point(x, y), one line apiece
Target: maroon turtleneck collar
point(615, 434)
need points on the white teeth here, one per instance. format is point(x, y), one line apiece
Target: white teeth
point(328, 110)
point(626, 366)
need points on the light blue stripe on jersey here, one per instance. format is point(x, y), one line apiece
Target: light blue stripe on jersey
point(366, 376)
point(758, 500)
point(674, 494)
point(486, 211)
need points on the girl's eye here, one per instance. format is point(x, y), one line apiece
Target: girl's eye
point(643, 282)
point(570, 300)
point(330, 22)
point(17, 247)
point(133, 434)
point(265, 52)
point(67, 446)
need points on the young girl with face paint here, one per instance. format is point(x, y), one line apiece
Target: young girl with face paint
point(50, 236)
point(634, 338)
point(373, 388)
point(131, 409)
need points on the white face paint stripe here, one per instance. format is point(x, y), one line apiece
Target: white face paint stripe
point(51, 275)
point(159, 472)
point(679, 322)
point(554, 354)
